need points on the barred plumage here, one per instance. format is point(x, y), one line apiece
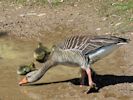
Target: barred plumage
point(68, 56)
point(86, 43)
point(89, 46)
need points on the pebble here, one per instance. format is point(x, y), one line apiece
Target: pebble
point(104, 18)
point(61, 0)
point(107, 33)
point(41, 14)
point(31, 14)
point(131, 33)
point(22, 15)
point(117, 24)
point(98, 29)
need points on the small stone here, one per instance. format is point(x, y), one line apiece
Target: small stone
point(31, 14)
point(117, 24)
point(104, 18)
point(98, 29)
point(131, 33)
point(70, 20)
point(107, 33)
point(42, 14)
point(75, 5)
point(61, 0)
point(22, 15)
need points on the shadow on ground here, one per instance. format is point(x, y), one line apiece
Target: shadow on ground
point(3, 33)
point(100, 80)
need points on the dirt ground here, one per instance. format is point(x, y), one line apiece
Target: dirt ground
point(23, 25)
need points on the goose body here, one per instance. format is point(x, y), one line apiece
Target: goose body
point(102, 52)
point(85, 50)
point(78, 50)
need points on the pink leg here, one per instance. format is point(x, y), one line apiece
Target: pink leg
point(83, 75)
point(91, 83)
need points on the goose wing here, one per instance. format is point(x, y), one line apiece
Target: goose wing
point(86, 44)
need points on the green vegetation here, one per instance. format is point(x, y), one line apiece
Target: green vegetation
point(25, 2)
point(119, 14)
point(124, 5)
point(34, 2)
point(20, 1)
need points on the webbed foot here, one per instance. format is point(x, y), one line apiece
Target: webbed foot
point(92, 89)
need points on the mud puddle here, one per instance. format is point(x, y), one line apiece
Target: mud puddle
point(61, 82)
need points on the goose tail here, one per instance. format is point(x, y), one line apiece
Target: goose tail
point(123, 41)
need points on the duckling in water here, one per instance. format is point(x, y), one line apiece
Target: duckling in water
point(41, 53)
point(24, 69)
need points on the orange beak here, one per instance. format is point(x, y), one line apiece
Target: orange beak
point(23, 81)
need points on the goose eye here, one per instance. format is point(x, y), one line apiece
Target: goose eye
point(28, 76)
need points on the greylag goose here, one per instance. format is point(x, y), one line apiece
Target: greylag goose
point(78, 50)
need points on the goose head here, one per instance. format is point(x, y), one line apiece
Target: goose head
point(30, 77)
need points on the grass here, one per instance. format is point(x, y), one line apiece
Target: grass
point(25, 2)
point(124, 6)
point(35, 2)
point(20, 1)
point(117, 11)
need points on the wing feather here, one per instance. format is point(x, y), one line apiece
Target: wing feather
point(86, 44)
